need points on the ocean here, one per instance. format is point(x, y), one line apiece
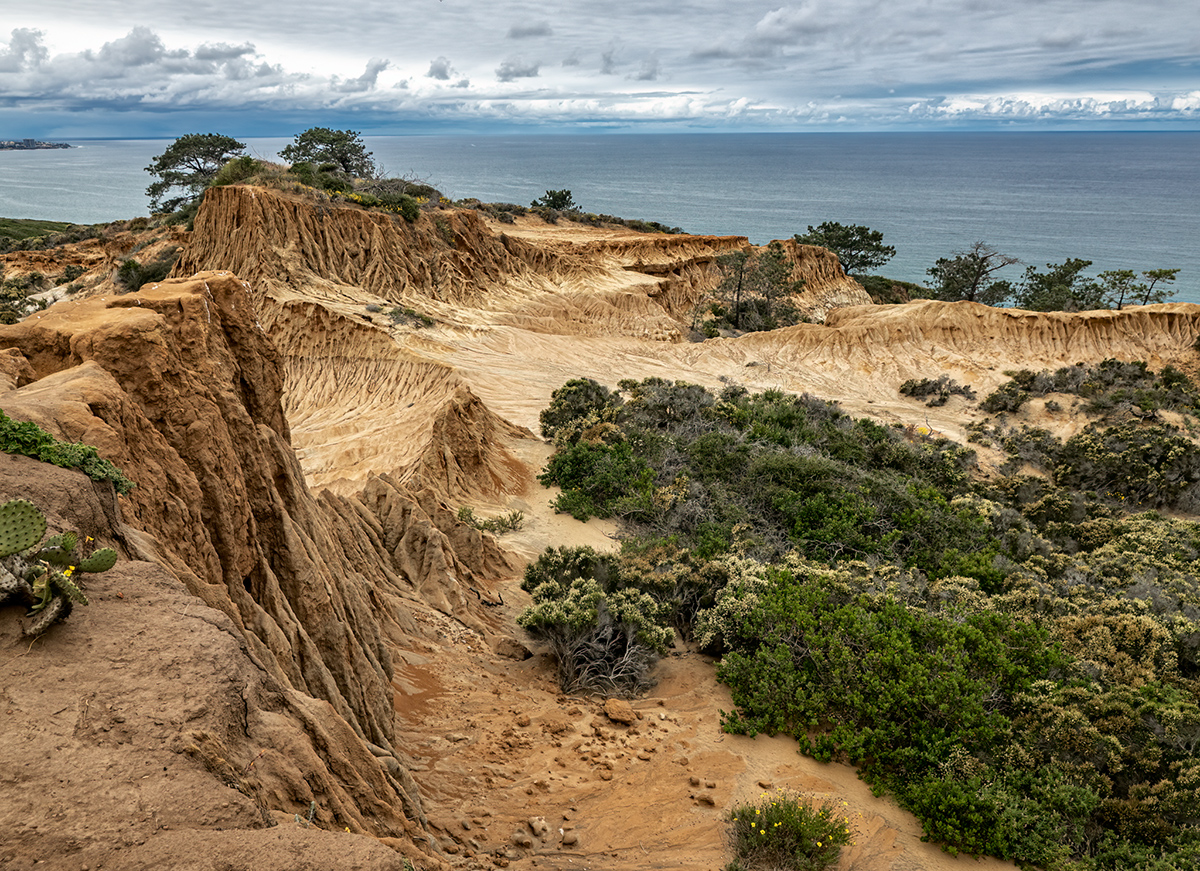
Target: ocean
point(1121, 200)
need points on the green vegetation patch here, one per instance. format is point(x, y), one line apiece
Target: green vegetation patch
point(27, 228)
point(1129, 455)
point(510, 521)
point(935, 391)
point(30, 440)
point(1017, 661)
point(1110, 386)
point(771, 471)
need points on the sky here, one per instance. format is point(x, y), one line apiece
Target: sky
point(145, 68)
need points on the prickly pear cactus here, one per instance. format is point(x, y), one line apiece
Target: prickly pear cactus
point(45, 577)
point(57, 549)
point(21, 526)
point(100, 561)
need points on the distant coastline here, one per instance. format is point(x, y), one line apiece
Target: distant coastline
point(28, 145)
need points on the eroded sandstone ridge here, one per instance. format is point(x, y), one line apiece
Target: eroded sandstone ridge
point(309, 595)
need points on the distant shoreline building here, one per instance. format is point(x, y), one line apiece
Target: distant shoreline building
point(28, 145)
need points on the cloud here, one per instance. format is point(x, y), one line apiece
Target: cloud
point(365, 82)
point(222, 51)
point(769, 64)
point(608, 62)
point(440, 69)
point(24, 51)
point(138, 70)
point(1186, 102)
point(791, 24)
point(1061, 40)
point(140, 47)
point(649, 71)
point(517, 69)
point(532, 29)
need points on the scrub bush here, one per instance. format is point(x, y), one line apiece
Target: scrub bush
point(786, 831)
point(603, 635)
point(940, 388)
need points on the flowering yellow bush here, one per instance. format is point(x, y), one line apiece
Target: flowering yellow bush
point(785, 830)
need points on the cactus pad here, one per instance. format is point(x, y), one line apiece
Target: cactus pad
point(58, 609)
point(57, 549)
point(67, 586)
point(100, 561)
point(21, 526)
point(45, 577)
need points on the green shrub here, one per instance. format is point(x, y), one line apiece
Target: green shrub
point(322, 178)
point(889, 688)
point(890, 291)
point(596, 478)
point(1147, 466)
point(1109, 386)
point(940, 388)
point(1007, 397)
point(70, 272)
point(576, 399)
point(509, 522)
point(1017, 662)
point(404, 315)
point(505, 213)
point(30, 440)
point(679, 461)
point(235, 171)
point(786, 832)
point(401, 203)
point(559, 201)
point(604, 635)
point(132, 275)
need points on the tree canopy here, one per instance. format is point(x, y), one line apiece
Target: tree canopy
point(969, 275)
point(344, 148)
point(189, 163)
point(1062, 287)
point(755, 289)
point(858, 248)
point(560, 200)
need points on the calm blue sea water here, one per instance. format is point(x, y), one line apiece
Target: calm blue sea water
point(1122, 200)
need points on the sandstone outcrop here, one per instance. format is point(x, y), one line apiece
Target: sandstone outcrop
point(180, 388)
point(365, 394)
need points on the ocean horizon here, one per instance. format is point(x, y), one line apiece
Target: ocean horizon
point(1121, 200)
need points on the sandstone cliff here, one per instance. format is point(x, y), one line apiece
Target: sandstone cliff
point(569, 276)
point(307, 596)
